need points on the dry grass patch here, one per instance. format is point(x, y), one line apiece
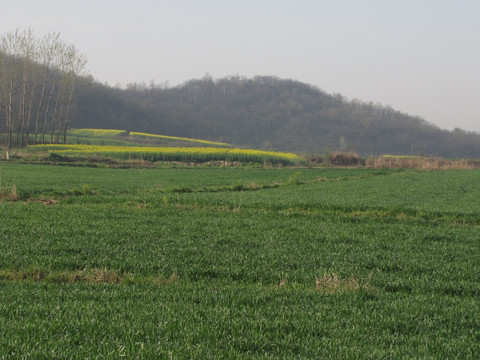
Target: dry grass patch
point(42, 201)
point(332, 283)
point(87, 275)
point(418, 162)
point(9, 194)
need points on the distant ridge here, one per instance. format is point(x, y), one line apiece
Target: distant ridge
point(269, 113)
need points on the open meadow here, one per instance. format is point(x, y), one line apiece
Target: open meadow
point(238, 262)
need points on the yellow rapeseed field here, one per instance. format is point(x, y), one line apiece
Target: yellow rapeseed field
point(196, 154)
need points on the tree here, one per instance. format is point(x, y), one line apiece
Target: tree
point(75, 66)
point(49, 46)
point(24, 59)
point(9, 45)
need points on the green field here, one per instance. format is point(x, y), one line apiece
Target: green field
point(105, 136)
point(238, 263)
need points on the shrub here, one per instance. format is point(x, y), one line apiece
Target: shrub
point(345, 158)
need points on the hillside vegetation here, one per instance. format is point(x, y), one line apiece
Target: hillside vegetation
point(269, 113)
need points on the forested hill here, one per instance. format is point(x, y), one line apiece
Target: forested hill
point(266, 112)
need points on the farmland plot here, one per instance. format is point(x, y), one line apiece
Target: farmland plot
point(239, 263)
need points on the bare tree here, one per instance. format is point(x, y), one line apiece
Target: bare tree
point(76, 66)
point(54, 76)
point(24, 59)
point(47, 50)
point(58, 104)
point(26, 46)
point(9, 46)
point(32, 55)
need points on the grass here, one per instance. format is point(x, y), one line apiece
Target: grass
point(97, 133)
point(141, 135)
point(88, 135)
point(239, 263)
point(8, 191)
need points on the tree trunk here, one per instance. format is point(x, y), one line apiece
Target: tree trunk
point(67, 113)
point(57, 101)
point(47, 109)
point(30, 105)
point(40, 104)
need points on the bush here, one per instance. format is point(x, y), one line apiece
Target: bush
point(314, 159)
point(345, 158)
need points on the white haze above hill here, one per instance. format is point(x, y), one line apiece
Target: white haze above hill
point(420, 57)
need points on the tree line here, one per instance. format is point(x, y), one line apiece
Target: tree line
point(38, 77)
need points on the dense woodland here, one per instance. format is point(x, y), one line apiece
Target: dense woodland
point(266, 112)
point(43, 92)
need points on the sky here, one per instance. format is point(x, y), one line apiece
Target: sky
point(421, 57)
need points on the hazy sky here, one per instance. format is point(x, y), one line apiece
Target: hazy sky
point(421, 57)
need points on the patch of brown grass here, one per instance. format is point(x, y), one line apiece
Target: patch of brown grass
point(9, 194)
point(172, 279)
point(105, 275)
point(87, 275)
point(42, 201)
point(332, 283)
point(418, 162)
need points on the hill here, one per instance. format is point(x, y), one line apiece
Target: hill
point(266, 112)
point(43, 93)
